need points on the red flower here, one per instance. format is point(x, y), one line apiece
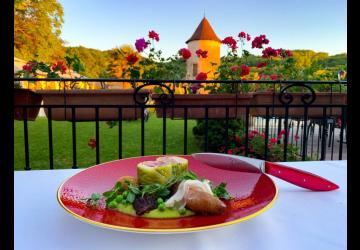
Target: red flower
point(259, 41)
point(248, 38)
point(27, 68)
point(234, 68)
point(242, 34)
point(274, 77)
point(245, 70)
point(273, 140)
point(268, 52)
point(231, 42)
point(140, 44)
point(296, 137)
point(153, 35)
point(201, 53)
point(230, 152)
point(201, 76)
point(288, 53)
point(262, 135)
point(185, 53)
point(132, 58)
point(92, 143)
point(261, 64)
point(255, 132)
point(237, 139)
point(59, 66)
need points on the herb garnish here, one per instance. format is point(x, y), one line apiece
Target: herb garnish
point(221, 192)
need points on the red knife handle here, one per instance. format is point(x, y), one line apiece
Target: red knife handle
point(299, 177)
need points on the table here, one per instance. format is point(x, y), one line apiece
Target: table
point(299, 219)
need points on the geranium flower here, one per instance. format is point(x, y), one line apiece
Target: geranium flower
point(248, 37)
point(132, 58)
point(261, 64)
point(273, 140)
point(296, 137)
point(201, 76)
point(141, 44)
point(245, 70)
point(153, 35)
point(259, 41)
point(274, 77)
point(231, 42)
point(185, 53)
point(234, 68)
point(230, 152)
point(201, 53)
point(269, 52)
point(59, 66)
point(92, 143)
point(27, 68)
point(242, 34)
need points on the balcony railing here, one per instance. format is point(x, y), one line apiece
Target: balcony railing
point(316, 124)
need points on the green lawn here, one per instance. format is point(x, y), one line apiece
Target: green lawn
point(62, 141)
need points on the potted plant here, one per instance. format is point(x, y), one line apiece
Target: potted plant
point(69, 94)
point(280, 64)
point(26, 96)
point(256, 146)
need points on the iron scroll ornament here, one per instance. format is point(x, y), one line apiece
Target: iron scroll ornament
point(287, 98)
point(165, 99)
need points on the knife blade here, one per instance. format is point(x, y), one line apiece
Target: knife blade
point(295, 176)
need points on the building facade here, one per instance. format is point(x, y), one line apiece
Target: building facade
point(204, 38)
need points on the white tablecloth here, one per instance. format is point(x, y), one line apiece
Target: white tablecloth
point(299, 219)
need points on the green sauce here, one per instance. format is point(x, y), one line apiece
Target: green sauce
point(156, 213)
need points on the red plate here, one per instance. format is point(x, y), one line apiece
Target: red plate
point(254, 193)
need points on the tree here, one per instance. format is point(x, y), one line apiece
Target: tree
point(37, 28)
point(95, 61)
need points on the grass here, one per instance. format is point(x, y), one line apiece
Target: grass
point(62, 141)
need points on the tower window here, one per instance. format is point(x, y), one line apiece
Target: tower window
point(195, 69)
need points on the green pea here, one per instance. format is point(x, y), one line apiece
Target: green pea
point(182, 211)
point(161, 206)
point(160, 200)
point(112, 204)
point(124, 201)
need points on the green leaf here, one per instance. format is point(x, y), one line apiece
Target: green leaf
point(107, 194)
point(221, 192)
point(118, 185)
point(130, 197)
point(95, 196)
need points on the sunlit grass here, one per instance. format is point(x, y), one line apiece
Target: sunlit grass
point(62, 141)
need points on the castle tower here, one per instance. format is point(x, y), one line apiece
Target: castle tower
point(204, 38)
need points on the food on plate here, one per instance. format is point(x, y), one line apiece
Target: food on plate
point(197, 196)
point(161, 170)
point(165, 188)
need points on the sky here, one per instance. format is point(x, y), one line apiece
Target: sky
point(319, 25)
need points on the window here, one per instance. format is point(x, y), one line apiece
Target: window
point(195, 67)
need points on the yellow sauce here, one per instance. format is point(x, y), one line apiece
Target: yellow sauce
point(155, 213)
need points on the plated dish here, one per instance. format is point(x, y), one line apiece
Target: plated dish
point(164, 194)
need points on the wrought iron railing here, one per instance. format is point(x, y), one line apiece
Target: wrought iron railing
point(270, 120)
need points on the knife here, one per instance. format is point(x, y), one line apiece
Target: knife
point(245, 164)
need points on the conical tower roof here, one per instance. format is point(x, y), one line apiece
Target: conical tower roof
point(204, 32)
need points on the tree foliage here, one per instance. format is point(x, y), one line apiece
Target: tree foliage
point(95, 61)
point(37, 28)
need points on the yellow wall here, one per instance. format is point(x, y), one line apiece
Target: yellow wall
point(204, 64)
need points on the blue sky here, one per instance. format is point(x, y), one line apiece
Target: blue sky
point(319, 25)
